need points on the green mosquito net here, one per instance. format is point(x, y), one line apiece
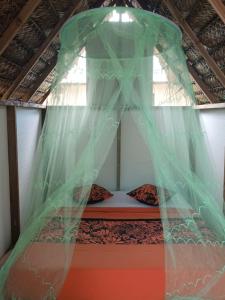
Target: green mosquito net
point(114, 62)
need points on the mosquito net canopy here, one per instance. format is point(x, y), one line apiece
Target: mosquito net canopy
point(114, 62)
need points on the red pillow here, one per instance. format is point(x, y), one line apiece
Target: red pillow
point(97, 194)
point(148, 194)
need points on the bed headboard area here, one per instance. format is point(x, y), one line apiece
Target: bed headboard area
point(128, 165)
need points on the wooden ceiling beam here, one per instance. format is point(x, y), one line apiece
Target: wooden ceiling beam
point(196, 42)
point(41, 79)
point(219, 7)
point(18, 103)
point(17, 23)
point(202, 85)
point(27, 68)
point(42, 100)
point(210, 106)
point(47, 72)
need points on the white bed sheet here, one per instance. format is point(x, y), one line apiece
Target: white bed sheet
point(121, 199)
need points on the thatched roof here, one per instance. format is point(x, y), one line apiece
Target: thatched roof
point(29, 42)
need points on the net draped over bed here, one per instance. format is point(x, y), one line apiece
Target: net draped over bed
point(107, 67)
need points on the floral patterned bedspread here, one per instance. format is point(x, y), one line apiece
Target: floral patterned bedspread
point(105, 231)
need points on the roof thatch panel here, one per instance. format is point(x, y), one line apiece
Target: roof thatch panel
point(8, 11)
point(23, 52)
point(214, 34)
point(210, 30)
point(200, 15)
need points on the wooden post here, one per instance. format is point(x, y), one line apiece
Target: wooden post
point(43, 115)
point(13, 174)
point(118, 157)
point(224, 185)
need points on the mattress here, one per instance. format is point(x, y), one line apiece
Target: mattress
point(121, 199)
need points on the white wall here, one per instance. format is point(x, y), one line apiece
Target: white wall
point(108, 172)
point(28, 132)
point(136, 166)
point(5, 229)
point(213, 122)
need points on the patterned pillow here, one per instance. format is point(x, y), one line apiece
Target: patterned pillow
point(148, 194)
point(97, 194)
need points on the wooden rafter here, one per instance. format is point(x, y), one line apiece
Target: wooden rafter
point(42, 77)
point(219, 8)
point(17, 23)
point(49, 69)
point(202, 85)
point(192, 36)
point(45, 97)
point(27, 68)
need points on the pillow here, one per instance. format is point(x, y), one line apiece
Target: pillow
point(97, 194)
point(148, 194)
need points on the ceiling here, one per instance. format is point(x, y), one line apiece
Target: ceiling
point(29, 43)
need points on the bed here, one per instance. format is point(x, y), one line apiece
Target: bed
point(118, 255)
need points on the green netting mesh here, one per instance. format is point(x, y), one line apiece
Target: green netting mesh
point(107, 67)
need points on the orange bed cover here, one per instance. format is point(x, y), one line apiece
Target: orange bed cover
point(116, 272)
